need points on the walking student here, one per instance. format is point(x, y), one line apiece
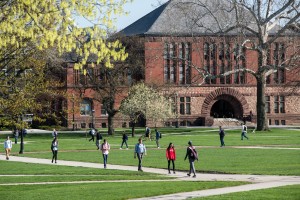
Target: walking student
point(92, 134)
point(16, 134)
point(191, 153)
point(157, 138)
point(105, 147)
point(124, 141)
point(171, 157)
point(244, 132)
point(54, 148)
point(140, 151)
point(148, 133)
point(222, 135)
point(98, 139)
point(7, 147)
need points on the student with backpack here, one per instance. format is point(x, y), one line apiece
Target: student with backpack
point(157, 138)
point(244, 132)
point(92, 134)
point(192, 154)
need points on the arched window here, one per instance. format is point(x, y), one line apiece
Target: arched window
point(86, 107)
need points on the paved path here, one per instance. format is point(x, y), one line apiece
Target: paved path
point(256, 181)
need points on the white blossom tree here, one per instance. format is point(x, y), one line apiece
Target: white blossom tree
point(143, 101)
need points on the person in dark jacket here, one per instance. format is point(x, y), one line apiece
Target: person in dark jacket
point(98, 139)
point(171, 156)
point(191, 153)
point(124, 140)
point(222, 135)
point(54, 148)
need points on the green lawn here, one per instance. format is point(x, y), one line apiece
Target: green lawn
point(279, 193)
point(212, 158)
point(279, 158)
point(104, 190)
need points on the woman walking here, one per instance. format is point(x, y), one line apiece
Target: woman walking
point(7, 147)
point(105, 147)
point(54, 148)
point(171, 156)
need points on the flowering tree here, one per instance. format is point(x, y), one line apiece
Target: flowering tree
point(143, 101)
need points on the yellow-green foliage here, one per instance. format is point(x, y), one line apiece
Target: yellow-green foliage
point(46, 23)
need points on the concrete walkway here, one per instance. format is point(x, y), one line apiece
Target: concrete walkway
point(257, 181)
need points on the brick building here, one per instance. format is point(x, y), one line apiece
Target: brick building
point(175, 52)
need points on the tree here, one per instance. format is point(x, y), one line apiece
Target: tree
point(143, 101)
point(49, 23)
point(23, 91)
point(256, 25)
point(109, 84)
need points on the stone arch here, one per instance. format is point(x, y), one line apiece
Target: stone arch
point(227, 94)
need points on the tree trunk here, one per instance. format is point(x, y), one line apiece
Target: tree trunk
point(22, 142)
point(133, 129)
point(110, 121)
point(262, 121)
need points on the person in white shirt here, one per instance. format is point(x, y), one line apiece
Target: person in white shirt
point(7, 147)
point(54, 148)
point(105, 147)
point(139, 151)
point(244, 132)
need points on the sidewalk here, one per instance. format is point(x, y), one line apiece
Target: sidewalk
point(257, 181)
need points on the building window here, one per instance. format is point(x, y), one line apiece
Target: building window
point(185, 105)
point(267, 106)
point(282, 122)
point(279, 59)
point(83, 125)
point(103, 110)
point(86, 107)
point(276, 122)
point(279, 104)
point(177, 59)
point(270, 122)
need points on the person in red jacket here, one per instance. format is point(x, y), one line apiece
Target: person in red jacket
point(171, 156)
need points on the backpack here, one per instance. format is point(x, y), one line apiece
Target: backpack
point(193, 154)
point(245, 128)
point(160, 135)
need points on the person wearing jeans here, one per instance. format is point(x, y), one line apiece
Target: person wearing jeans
point(105, 147)
point(191, 153)
point(139, 151)
point(222, 135)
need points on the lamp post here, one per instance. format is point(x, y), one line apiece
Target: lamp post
point(73, 112)
point(177, 112)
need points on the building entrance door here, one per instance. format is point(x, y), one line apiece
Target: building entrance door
point(226, 106)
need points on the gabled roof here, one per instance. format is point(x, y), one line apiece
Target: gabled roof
point(192, 18)
point(184, 17)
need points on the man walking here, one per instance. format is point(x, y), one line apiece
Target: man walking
point(222, 135)
point(140, 151)
point(244, 132)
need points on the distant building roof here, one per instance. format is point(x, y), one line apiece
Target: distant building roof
point(191, 17)
point(185, 17)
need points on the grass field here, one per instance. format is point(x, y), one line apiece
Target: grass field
point(274, 152)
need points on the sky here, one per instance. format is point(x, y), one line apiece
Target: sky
point(136, 9)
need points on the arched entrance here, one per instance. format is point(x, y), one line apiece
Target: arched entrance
point(226, 106)
point(224, 101)
point(222, 108)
